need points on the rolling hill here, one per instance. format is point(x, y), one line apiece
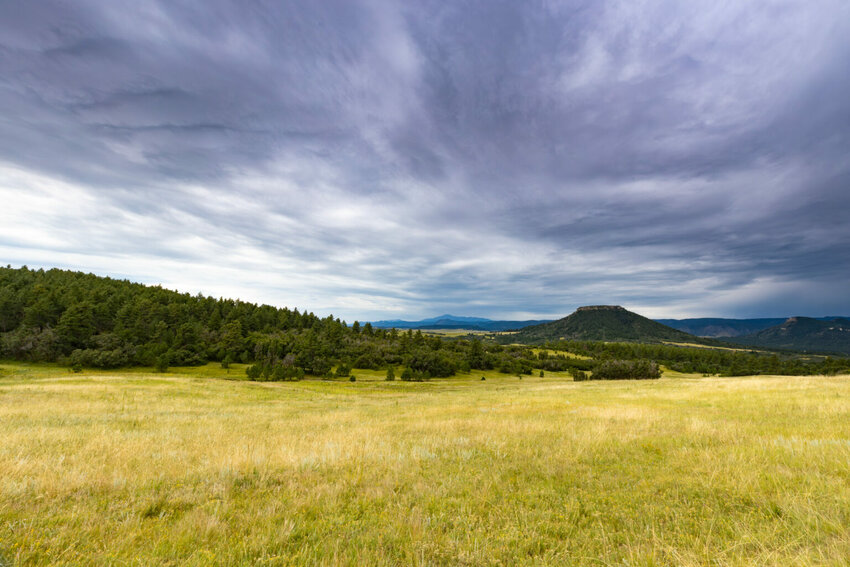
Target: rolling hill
point(720, 327)
point(602, 323)
point(803, 334)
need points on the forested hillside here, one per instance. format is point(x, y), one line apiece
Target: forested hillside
point(804, 334)
point(718, 327)
point(82, 319)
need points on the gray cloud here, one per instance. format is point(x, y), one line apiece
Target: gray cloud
point(489, 158)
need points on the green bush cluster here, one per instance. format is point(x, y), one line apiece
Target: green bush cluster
point(626, 370)
point(277, 372)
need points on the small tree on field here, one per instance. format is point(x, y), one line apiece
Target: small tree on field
point(390, 374)
point(343, 370)
point(579, 375)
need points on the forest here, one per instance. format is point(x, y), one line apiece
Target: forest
point(82, 320)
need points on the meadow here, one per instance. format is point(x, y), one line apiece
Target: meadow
point(199, 467)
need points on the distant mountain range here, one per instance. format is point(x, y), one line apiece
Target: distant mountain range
point(455, 322)
point(614, 323)
point(720, 328)
point(803, 334)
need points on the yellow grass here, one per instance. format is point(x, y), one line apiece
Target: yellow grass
point(456, 332)
point(712, 347)
point(560, 352)
point(134, 468)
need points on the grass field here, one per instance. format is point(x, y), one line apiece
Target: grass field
point(135, 468)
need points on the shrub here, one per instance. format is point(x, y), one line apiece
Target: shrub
point(254, 371)
point(579, 375)
point(343, 370)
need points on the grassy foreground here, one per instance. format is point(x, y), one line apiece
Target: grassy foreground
point(139, 469)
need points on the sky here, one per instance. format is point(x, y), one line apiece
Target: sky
point(382, 160)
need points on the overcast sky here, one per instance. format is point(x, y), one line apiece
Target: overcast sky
point(405, 159)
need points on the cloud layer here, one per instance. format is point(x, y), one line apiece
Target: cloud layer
point(378, 159)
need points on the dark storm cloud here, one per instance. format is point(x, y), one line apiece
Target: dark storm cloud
point(489, 158)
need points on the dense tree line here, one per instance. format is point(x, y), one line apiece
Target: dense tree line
point(723, 362)
point(85, 320)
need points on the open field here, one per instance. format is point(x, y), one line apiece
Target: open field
point(134, 468)
point(714, 347)
point(457, 332)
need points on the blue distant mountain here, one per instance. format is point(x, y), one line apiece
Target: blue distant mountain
point(804, 334)
point(720, 328)
point(448, 321)
point(713, 327)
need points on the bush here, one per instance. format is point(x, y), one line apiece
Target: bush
point(343, 370)
point(431, 363)
point(579, 375)
point(101, 358)
point(254, 371)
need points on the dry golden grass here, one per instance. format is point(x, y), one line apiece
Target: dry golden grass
point(713, 347)
point(133, 468)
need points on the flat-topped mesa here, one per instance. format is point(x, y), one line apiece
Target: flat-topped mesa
point(601, 308)
point(602, 323)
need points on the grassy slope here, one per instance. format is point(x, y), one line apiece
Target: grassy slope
point(139, 469)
